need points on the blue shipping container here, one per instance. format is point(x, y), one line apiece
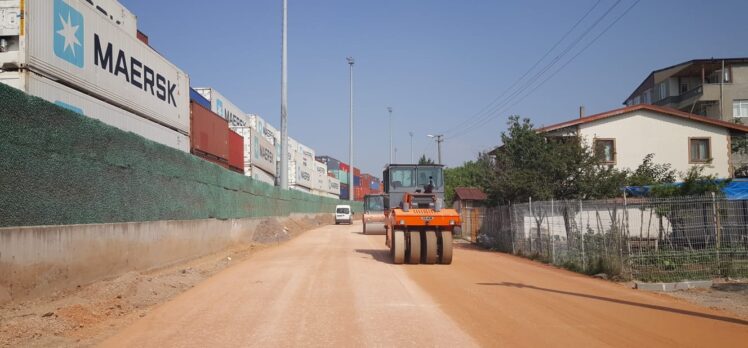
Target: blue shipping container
point(374, 185)
point(357, 181)
point(198, 98)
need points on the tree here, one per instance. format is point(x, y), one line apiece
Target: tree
point(649, 173)
point(537, 165)
point(425, 160)
point(695, 183)
point(476, 173)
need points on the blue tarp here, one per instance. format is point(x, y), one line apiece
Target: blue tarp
point(735, 190)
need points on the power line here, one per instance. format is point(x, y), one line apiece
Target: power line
point(486, 120)
point(545, 55)
point(488, 116)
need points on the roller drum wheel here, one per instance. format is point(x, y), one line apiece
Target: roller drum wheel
point(414, 250)
point(398, 247)
point(445, 248)
point(429, 247)
point(364, 228)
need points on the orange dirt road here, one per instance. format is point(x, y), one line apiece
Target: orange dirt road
point(334, 287)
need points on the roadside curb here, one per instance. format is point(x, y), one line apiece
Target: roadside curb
point(670, 287)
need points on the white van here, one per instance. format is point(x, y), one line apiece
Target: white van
point(343, 213)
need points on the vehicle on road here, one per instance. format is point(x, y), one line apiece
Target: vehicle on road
point(343, 213)
point(418, 227)
point(373, 217)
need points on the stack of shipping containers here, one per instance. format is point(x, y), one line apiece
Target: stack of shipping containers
point(76, 69)
point(145, 93)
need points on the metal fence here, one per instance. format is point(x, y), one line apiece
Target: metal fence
point(665, 239)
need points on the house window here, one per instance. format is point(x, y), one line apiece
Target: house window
point(683, 87)
point(663, 91)
point(700, 150)
point(605, 150)
point(740, 108)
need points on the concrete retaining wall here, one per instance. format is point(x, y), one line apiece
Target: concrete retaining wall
point(36, 261)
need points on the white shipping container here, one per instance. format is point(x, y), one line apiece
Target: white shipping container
point(262, 176)
point(89, 106)
point(333, 186)
point(262, 154)
point(320, 176)
point(225, 108)
point(72, 42)
point(118, 14)
point(304, 176)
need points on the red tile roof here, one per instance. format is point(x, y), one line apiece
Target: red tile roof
point(648, 107)
point(470, 194)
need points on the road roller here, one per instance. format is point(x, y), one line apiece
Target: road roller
point(373, 217)
point(418, 228)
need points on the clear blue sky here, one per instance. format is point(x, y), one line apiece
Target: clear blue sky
point(436, 62)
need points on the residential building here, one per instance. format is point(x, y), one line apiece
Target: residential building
point(623, 137)
point(715, 88)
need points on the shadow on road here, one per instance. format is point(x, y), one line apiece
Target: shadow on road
point(630, 303)
point(380, 255)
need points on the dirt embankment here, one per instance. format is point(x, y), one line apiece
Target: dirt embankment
point(85, 315)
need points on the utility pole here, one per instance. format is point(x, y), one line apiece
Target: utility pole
point(411, 147)
point(351, 184)
point(439, 140)
point(389, 109)
point(284, 101)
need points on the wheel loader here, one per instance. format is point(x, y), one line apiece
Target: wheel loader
point(418, 227)
point(373, 216)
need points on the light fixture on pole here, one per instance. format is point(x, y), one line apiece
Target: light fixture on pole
point(351, 183)
point(411, 147)
point(439, 139)
point(284, 101)
point(389, 109)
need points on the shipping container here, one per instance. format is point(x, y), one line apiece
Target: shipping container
point(357, 181)
point(74, 43)
point(83, 104)
point(143, 37)
point(118, 15)
point(210, 133)
point(198, 98)
point(356, 172)
point(262, 154)
point(304, 176)
point(333, 186)
point(220, 162)
point(344, 190)
point(225, 108)
point(236, 152)
point(345, 167)
point(262, 176)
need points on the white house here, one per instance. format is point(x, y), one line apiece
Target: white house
point(623, 137)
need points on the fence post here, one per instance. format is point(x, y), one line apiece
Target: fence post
point(512, 230)
point(550, 235)
point(626, 229)
point(532, 216)
point(717, 229)
point(581, 235)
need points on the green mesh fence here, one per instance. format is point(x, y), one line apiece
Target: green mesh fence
point(57, 167)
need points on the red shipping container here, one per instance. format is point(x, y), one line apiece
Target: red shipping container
point(236, 152)
point(356, 172)
point(344, 167)
point(211, 159)
point(209, 133)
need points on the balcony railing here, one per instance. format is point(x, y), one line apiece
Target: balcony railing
point(676, 99)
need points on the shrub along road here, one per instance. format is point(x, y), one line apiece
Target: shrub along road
point(335, 287)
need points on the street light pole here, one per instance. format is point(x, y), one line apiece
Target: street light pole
point(439, 140)
point(284, 101)
point(351, 184)
point(389, 109)
point(411, 147)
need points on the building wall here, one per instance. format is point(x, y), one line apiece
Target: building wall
point(738, 89)
point(643, 132)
